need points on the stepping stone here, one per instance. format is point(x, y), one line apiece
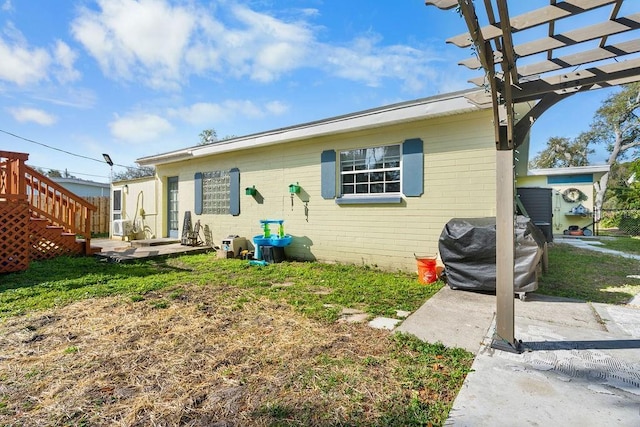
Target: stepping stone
point(384, 323)
point(353, 318)
point(402, 314)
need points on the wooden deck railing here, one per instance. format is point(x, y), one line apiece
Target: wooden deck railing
point(46, 198)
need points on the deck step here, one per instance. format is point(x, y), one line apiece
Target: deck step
point(153, 242)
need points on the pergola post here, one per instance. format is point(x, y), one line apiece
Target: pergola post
point(503, 337)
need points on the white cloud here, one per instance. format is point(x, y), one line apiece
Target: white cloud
point(276, 108)
point(365, 61)
point(139, 127)
point(24, 65)
point(269, 47)
point(133, 39)
point(32, 115)
point(65, 58)
point(162, 44)
point(7, 6)
point(203, 113)
point(21, 64)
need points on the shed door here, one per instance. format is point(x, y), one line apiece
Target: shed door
point(172, 206)
point(539, 206)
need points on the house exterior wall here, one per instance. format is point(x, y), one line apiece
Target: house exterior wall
point(136, 195)
point(459, 181)
point(562, 216)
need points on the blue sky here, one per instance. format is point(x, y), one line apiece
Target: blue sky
point(133, 78)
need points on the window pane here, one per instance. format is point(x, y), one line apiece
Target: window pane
point(392, 188)
point(392, 175)
point(348, 178)
point(393, 150)
point(347, 189)
point(362, 177)
point(377, 188)
point(362, 188)
point(376, 176)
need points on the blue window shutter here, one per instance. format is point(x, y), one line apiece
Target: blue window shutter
point(234, 192)
point(197, 184)
point(412, 167)
point(328, 174)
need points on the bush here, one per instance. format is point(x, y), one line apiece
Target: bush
point(627, 221)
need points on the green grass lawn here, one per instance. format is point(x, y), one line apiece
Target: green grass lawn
point(625, 244)
point(591, 276)
point(318, 290)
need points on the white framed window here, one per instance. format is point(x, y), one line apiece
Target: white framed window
point(371, 171)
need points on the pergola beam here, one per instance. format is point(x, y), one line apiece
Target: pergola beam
point(529, 20)
point(570, 38)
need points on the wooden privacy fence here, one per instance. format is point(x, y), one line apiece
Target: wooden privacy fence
point(100, 217)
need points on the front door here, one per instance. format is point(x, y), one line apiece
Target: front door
point(172, 206)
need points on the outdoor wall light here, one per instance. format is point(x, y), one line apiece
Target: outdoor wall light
point(126, 189)
point(250, 191)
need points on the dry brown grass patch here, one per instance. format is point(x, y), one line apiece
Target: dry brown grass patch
point(193, 356)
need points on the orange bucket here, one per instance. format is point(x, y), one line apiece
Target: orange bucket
point(427, 270)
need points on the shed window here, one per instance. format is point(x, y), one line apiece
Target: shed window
point(369, 171)
point(216, 190)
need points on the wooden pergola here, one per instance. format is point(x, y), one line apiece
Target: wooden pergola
point(557, 65)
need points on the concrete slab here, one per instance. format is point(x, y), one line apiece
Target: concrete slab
point(592, 244)
point(582, 366)
point(571, 376)
point(453, 317)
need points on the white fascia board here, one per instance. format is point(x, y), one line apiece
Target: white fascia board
point(341, 125)
point(573, 170)
point(385, 116)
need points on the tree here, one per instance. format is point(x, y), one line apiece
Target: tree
point(208, 136)
point(627, 193)
point(616, 124)
point(562, 152)
point(134, 172)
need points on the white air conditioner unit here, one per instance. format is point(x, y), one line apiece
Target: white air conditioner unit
point(122, 227)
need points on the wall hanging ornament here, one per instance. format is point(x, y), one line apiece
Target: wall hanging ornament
point(572, 195)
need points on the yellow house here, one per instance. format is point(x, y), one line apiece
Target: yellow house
point(563, 198)
point(373, 187)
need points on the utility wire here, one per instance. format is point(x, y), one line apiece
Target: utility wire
point(70, 172)
point(61, 150)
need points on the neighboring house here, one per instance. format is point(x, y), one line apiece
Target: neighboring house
point(84, 188)
point(562, 196)
point(375, 187)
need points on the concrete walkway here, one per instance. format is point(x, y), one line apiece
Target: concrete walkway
point(582, 366)
point(593, 244)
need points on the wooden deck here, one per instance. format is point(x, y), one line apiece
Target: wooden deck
point(119, 251)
